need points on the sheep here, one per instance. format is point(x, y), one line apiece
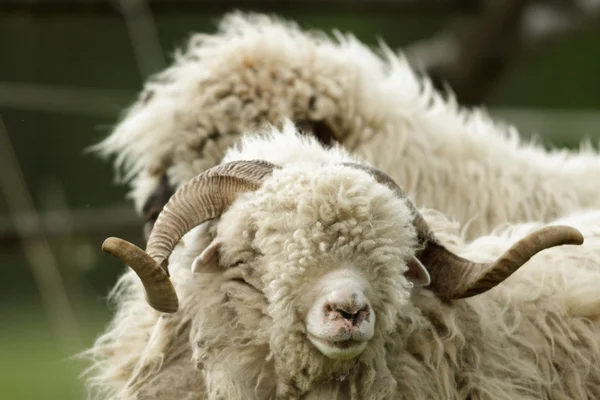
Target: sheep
point(315, 277)
point(259, 70)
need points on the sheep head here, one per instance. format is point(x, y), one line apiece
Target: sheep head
point(333, 251)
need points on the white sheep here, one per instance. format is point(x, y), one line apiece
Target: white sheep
point(316, 278)
point(257, 69)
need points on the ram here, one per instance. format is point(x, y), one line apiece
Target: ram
point(293, 271)
point(258, 70)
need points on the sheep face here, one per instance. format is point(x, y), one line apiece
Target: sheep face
point(324, 253)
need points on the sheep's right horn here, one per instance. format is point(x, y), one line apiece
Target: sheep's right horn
point(160, 293)
point(203, 198)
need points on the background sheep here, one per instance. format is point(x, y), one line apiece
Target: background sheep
point(257, 69)
point(240, 330)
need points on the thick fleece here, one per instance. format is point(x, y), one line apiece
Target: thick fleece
point(257, 69)
point(240, 331)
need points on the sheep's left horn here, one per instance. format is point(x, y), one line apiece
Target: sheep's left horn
point(203, 198)
point(453, 277)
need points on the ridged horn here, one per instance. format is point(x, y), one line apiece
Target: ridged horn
point(160, 293)
point(456, 278)
point(203, 198)
point(453, 277)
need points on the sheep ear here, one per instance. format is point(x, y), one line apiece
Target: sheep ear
point(206, 256)
point(417, 273)
point(197, 264)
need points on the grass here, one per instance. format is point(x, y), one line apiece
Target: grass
point(33, 364)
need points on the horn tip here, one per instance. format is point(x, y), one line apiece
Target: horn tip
point(159, 291)
point(579, 240)
point(111, 244)
point(574, 236)
point(108, 244)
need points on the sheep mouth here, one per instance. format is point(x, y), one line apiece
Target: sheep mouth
point(344, 344)
point(339, 350)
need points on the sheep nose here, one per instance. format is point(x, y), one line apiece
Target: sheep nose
point(341, 321)
point(353, 313)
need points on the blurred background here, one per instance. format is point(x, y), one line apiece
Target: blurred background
point(69, 67)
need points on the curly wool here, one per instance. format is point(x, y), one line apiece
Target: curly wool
point(535, 336)
point(257, 69)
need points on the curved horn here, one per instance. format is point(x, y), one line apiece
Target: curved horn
point(453, 277)
point(160, 293)
point(203, 198)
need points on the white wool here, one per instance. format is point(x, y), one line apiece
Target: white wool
point(286, 147)
point(257, 69)
point(534, 336)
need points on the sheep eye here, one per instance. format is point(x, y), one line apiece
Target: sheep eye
point(236, 264)
point(237, 275)
point(241, 281)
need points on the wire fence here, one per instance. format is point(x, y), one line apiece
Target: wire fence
point(31, 228)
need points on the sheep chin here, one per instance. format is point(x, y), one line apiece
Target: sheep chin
point(342, 351)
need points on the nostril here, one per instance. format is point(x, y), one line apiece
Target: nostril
point(346, 315)
point(353, 317)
